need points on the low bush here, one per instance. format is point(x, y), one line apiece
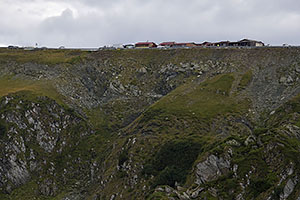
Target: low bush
point(259, 186)
point(123, 157)
point(2, 129)
point(172, 162)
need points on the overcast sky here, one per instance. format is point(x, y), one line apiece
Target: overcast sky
point(93, 23)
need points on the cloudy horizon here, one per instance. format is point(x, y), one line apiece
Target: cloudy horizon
point(94, 23)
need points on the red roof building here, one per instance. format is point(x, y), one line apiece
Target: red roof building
point(167, 44)
point(189, 44)
point(145, 45)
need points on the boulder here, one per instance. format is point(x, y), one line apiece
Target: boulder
point(211, 169)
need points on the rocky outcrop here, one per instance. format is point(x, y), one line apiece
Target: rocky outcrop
point(289, 188)
point(35, 130)
point(211, 169)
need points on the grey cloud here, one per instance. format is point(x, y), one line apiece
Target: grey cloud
point(100, 22)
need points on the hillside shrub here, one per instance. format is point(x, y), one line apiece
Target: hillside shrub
point(172, 162)
point(258, 186)
point(123, 157)
point(259, 131)
point(2, 129)
point(169, 176)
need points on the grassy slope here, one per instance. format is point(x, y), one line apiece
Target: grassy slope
point(196, 102)
point(267, 164)
point(175, 123)
point(11, 85)
point(205, 100)
point(50, 57)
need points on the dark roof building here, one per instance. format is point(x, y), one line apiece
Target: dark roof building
point(250, 43)
point(206, 44)
point(221, 44)
point(241, 43)
point(128, 46)
point(12, 47)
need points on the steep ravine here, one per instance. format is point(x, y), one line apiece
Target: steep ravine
point(150, 124)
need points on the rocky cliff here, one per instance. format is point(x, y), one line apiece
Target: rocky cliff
point(150, 124)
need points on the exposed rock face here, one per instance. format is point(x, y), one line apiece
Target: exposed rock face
point(33, 131)
point(48, 188)
point(211, 169)
point(289, 188)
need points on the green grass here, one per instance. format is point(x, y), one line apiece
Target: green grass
point(246, 79)
point(29, 191)
point(10, 85)
point(98, 120)
point(203, 101)
point(158, 196)
point(50, 57)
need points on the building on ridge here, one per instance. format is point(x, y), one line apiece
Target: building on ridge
point(145, 45)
